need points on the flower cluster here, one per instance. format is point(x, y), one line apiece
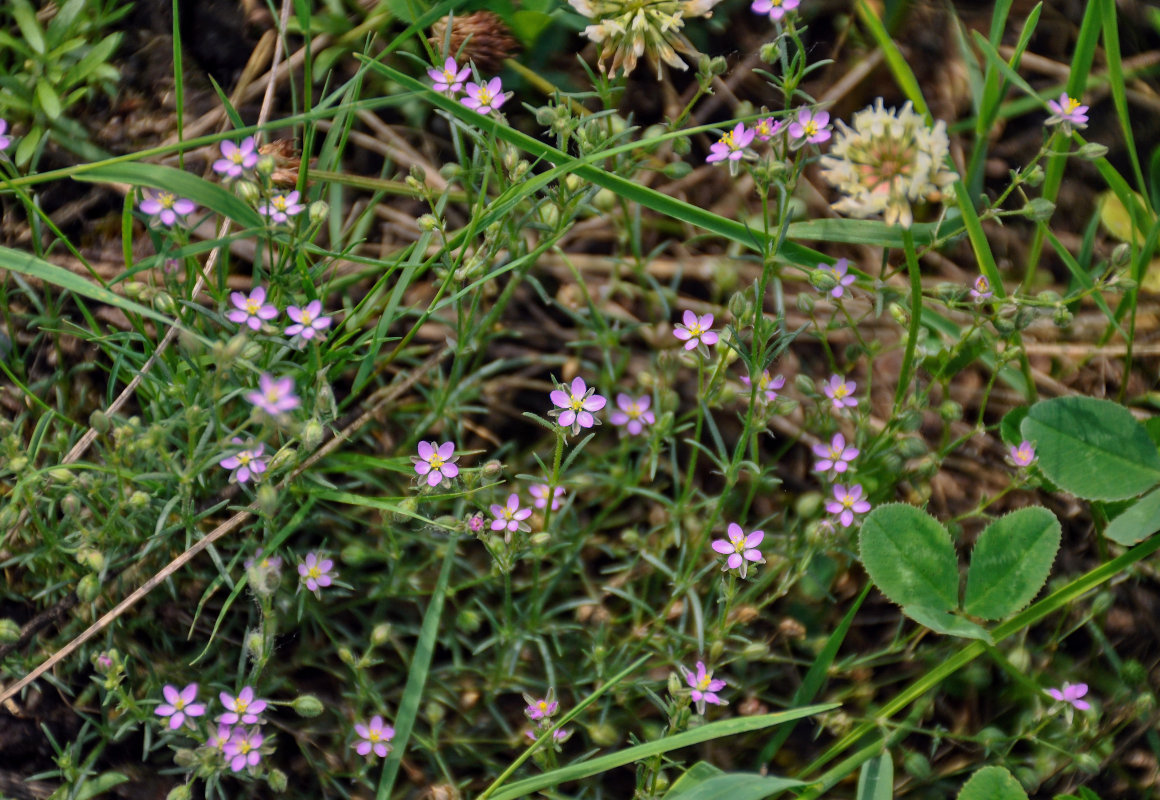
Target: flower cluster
point(252, 310)
point(888, 161)
point(628, 29)
point(238, 736)
point(734, 145)
point(540, 712)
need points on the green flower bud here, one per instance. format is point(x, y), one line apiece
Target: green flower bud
point(91, 559)
point(71, 505)
point(380, 634)
point(346, 656)
point(770, 52)
point(182, 791)
point(468, 621)
point(676, 685)
point(1020, 658)
point(88, 588)
point(677, 170)
point(307, 705)
point(950, 411)
point(808, 504)
point(9, 631)
point(682, 146)
point(1039, 209)
point(99, 421)
point(1122, 254)
point(138, 499)
point(1034, 176)
point(429, 222)
point(163, 302)
point(318, 211)
point(900, 314)
point(255, 644)
point(1062, 317)
point(805, 302)
point(805, 385)
point(540, 539)
point(1092, 151)
point(716, 649)
point(248, 191)
point(604, 734)
point(917, 766)
point(312, 433)
point(267, 499)
point(434, 712)
point(1049, 297)
point(284, 458)
point(266, 165)
point(276, 779)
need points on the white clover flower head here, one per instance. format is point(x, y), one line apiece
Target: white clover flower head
point(628, 29)
point(886, 162)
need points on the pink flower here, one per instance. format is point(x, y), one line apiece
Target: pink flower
point(981, 290)
point(810, 126)
point(839, 270)
point(5, 141)
point(766, 387)
point(837, 456)
point(539, 491)
point(510, 518)
point(1023, 455)
point(274, 396)
point(436, 462)
point(847, 503)
point(165, 206)
point(731, 145)
point(1071, 693)
point(541, 709)
point(281, 207)
point(218, 741)
point(485, 97)
point(375, 737)
point(475, 523)
point(308, 321)
point(574, 407)
point(634, 413)
point(695, 330)
point(704, 688)
point(767, 128)
point(241, 709)
point(246, 463)
point(839, 391)
point(449, 80)
point(1067, 110)
point(316, 572)
point(242, 748)
point(776, 9)
point(235, 160)
point(179, 706)
point(251, 310)
point(740, 547)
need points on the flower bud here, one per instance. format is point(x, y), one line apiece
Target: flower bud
point(182, 791)
point(266, 165)
point(307, 705)
point(91, 559)
point(605, 200)
point(276, 779)
point(380, 634)
point(677, 170)
point(899, 313)
point(99, 421)
point(805, 303)
point(284, 458)
point(434, 712)
point(805, 385)
point(604, 734)
point(1122, 254)
point(950, 411)
point(675, 685)
point(808, 504)
point(138, 499)
point(312, 434)
point(318, 211)
point(255, 644)
point(88, 588)
point(1034, 176)
point(1092, 151)
point(540, 539)
point(267, 499)
point(468, 621)
point(346, 656)
point(716, 649)
point(916, 766)
point(9, 631)
point(428, 223)
point(163, 302)
point(1039, 209)
point(248, 191)
point(770, 52)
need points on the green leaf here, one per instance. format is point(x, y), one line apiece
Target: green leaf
point(947, 624)
point(97, 786)
point(705, 733)
point(29, 28)
point(876, 780)
point(204, 193)
point(992, 783)
point(1009, 430)
point(692, 777)
point(1010, 563)
point(909, 556)
point(527, 25)
point(27, 145)
point(1093, 448)
point(1138, 522)
point(49, 102)
point(737, 786)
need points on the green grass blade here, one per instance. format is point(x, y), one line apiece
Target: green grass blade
point(903, 74)
point(1116, 84)
point(705, 733)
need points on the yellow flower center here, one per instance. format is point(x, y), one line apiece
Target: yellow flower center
point(167, 199)
point(244, 746)
point(1071, 105)
point(448, 76)
point(252, 306)
point(240, 705)
point(841, 391)
point(695, 329)
point(436, 461)
point(244, 457)
point(279, 203)
point(272, 395)
point(764, 382)
point(543, 706)
point(307, 317)
point(728, 140)
point(703, 683)
point(237, 157)
point(577, 403)
point(485, 96)
point(374, 735)
point(180, 704)
point(314, 572)
point(810, 128)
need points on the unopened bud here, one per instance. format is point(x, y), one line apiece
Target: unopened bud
point(1034, 176)
point(1062, 317)
point(1039, 209)
point(312, 433)
point(307, 705)
point(248, 191)
point(268, 499)
point(91, 559)
point(823, 279)
point(138, 499)
point(9, 631)
point(770, 52)
point(1092, 151)
point(163, 302)
point(99, 421)
point(277, 780)
point(1122, 254)
point(468, 621)
point(540, 539)
point(88, 588)
point(380, 634)
point(255, 645)
point(318, 211)
point(805, 302)
point(266, 165)
point(428, 223)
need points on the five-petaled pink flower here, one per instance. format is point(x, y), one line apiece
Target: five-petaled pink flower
point(1067, 110)
point(767, 387)
point(235, 160)
point(812, 127)
point(242, 748)
point(165, 206)
point(1023, 455)
point(539, 493)
point(836, 456)
point(436, 462)
point(575, 405)
point(776, 9)
point(847, 503)
point(541, 708)
point(731, 146)
point(308, 321)
point(510, 518)
point(1071, 693)
point(449, 80)
point(981, 290)
point(242, 709)
point(218, 741)
point(485, 97)
point(251, 310)
point(704, 688)
point(634, 413)
point(274, 395)
point(740, 547)
point(246, 463)
point(840, 392)
point(179, 706)
point(4, 139)
point(316, 572)
point(694, 330)
point(376, 736)
point(281, 207)
point(766, 129)
point(839, 271)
